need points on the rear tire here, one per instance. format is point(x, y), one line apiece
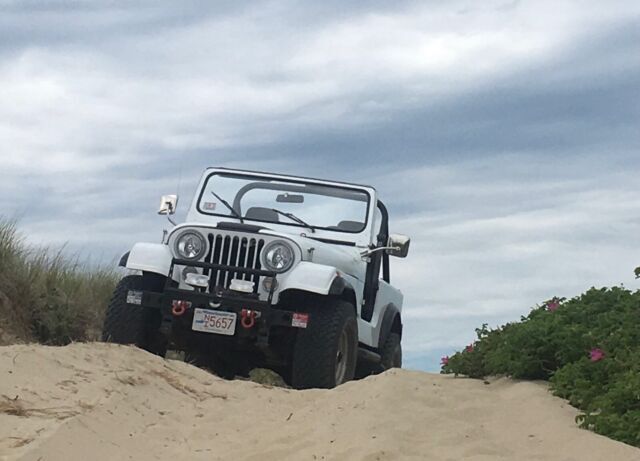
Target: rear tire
point(325, 352)
point(391, 353)
point(129, 324)
point(390, 357)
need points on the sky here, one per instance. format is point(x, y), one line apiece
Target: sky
point(504, 136)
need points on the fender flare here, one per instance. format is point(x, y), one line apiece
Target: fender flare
point(391, 323)
point(319, 279)
point(341, 288)
point(148, 257)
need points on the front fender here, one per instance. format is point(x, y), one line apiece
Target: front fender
point(307, 276)
point(150, 257)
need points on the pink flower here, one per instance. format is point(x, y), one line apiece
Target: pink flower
point(553, 305)
point(596, 354)
point(444, 361)
point(469, 348)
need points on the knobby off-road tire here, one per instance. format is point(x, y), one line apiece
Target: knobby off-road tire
point(325, 353)
point(390, 357)
point(129, 324)
point(391, 353)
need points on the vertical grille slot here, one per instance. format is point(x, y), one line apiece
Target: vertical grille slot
point(256, 262)
point(240, 260)
point(217, 253)
point(241, 252)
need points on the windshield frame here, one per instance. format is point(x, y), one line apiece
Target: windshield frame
point(298, 181)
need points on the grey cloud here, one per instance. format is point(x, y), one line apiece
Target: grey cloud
point(516, 183)
point(581, 99)
point(64, 23)
point(108, 25)
point(582, 102)
point(493, 246)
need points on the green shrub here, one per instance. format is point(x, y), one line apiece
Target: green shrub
point(587, 347)
point(46, 296)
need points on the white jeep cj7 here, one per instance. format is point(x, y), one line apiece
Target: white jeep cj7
point(268, 270)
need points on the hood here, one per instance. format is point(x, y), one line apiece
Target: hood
point(345, 258)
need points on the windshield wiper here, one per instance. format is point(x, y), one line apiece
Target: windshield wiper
point(231, 209)
point(293, 217)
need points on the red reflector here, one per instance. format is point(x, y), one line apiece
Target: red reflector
point(181, 304)
point(299, 320)
point(178, 308)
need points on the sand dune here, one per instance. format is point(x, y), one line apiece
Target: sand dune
point(105, 402)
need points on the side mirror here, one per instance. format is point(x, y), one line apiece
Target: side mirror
point(168, 204)
point(398, 245)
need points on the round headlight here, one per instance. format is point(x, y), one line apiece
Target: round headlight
point(190, 245)
point(278, 256)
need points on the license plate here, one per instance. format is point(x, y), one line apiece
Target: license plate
point(208, 321)
point(134, 297)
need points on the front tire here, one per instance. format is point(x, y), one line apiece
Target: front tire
point(325, 352)
point(129, 324)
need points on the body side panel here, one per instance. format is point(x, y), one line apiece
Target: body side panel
point(387, 295)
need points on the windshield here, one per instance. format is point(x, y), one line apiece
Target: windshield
point(288, 202)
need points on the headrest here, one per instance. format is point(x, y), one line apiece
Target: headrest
point(262, 214)
point(351, 226)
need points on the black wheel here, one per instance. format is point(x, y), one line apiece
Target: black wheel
point(390, 357)
point(128, 324)
point(391, 353)
point(325, 352)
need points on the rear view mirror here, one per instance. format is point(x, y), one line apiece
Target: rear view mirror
point(168, 204)
point(398, 245)
point(290, 198)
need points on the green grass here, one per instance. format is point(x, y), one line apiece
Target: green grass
point(46, 296)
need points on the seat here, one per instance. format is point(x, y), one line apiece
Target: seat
point(262, 214)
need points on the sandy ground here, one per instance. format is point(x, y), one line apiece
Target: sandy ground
point(106, 402)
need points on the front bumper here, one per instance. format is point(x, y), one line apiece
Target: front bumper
point(265, 314)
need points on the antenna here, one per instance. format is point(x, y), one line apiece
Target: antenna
point(180, 178)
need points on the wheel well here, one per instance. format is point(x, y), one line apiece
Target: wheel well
point(292, 296)
point(349, 295)
point(396, 326)
point(391, 323)
point(124, 259)
point(153, 281)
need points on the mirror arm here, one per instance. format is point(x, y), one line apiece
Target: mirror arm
point(170, 211)
point(368, 253)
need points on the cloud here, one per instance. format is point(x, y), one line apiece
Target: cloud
point(488, 247)
point(150, 79)
point(503, 135)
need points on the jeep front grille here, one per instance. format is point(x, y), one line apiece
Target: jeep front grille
point(237, 251)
